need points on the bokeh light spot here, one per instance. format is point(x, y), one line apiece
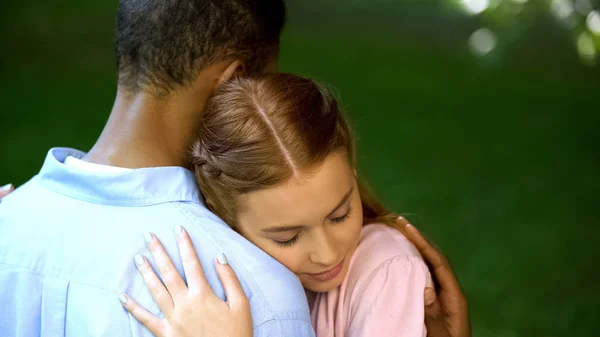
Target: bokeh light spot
point(482, 41)
point(593, 22)
point(475, 6)
point(586, 48)
point(562, 9)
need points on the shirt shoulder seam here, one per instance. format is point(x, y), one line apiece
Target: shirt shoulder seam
point(408, 260)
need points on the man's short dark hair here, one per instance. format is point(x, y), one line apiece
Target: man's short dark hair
point(164, 44)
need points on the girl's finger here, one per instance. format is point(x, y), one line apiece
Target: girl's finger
point(6, 190)
point(154, 284)
point(194, 274)
point(233, 289)
point(153, 323)
point(169, 274)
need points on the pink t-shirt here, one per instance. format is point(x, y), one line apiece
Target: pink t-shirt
point(382, 294)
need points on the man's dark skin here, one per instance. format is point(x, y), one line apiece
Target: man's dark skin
point(446, 309)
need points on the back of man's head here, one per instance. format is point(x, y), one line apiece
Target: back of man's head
point(163, 45)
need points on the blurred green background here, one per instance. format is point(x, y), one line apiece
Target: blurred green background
point(495, 156)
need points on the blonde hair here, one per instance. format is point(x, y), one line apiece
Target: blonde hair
point(258, 132)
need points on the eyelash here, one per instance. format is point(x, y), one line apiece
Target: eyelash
point(293, 240)
point(288, 243)
point(342, 218)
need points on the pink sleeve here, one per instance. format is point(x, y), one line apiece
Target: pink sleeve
point(390, 302)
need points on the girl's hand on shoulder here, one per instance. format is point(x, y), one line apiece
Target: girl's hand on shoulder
point(6, 190)
point(192, 309)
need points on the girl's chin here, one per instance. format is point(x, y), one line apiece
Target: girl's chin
point(322, 287)
point(319, 288)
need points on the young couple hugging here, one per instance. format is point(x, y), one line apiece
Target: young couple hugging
point(248, 178)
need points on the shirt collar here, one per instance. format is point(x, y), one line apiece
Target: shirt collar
point(134, 187)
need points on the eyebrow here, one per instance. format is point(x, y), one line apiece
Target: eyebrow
point(282, 229)
point(279, 229)
point(343, 201)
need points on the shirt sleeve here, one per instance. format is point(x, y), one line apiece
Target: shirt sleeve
point(390, 301)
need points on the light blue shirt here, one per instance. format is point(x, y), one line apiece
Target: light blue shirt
point(68, 237)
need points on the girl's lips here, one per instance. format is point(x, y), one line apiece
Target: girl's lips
point(328, 274)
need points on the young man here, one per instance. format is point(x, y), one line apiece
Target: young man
point(69, 235)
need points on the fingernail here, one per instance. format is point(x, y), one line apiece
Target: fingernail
point(178, 230)
point(139, 260)
point(123, 298)
point(148, 237)
point(222, 258)
point(429, 296)
point(6, 187)
point(408, 225)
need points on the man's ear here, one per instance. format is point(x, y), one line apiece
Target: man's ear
point(235, 68)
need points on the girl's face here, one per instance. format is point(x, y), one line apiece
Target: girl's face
point(311, 223)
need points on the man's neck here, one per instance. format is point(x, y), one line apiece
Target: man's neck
point(144, 131)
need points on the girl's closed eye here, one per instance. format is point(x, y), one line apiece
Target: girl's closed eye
point(343, 217)
point(288, 243)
